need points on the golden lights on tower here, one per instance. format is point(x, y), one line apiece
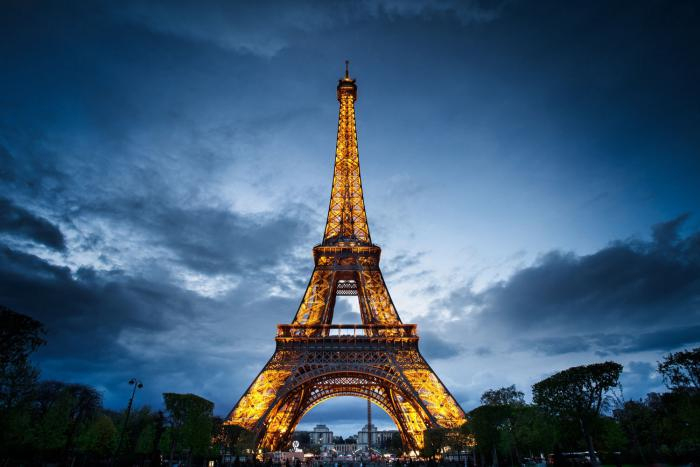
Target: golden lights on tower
point(316, 360)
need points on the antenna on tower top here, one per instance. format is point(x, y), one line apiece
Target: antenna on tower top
point(347, 73)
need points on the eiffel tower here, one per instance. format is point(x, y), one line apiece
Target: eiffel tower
point(316, 360)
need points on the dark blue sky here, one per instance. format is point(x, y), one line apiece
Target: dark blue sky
point(531, 170)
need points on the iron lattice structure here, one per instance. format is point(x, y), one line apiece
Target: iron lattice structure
point(316, 360)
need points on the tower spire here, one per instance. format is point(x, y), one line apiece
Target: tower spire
point(347, 219)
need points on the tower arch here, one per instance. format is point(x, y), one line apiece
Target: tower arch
point(388, 393)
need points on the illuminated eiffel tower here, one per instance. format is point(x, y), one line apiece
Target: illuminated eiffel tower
point(316, 360)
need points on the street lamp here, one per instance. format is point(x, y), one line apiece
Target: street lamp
point(137, 385)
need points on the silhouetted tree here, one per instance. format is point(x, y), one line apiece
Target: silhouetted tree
point(85, 404)
point(99, 439)
point(61, 412)
point(20, 336)
point(239, 441)
point(190, 418)
point(508, 396)
point(394, 445)
point(435, 439)
point(637, 421)
point(681, 370)
point(485, 424)
point(508, 399)
point(579, 393)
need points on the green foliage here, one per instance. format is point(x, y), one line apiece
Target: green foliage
point(435, 439)
point(485, 424)
point(241, 441)
point(579, 392)
point(663, 428)
point(64, 410)
point(611, 437)
point(393, 445)
point(57, 422)
point(506, 427)
point(140, 432)
point(534, 430)
point(20, 336)
point(681, 370)
point(191, 425)
point(50, 432)
point(100, 438)
point(145, 440)
point(637, 420)
point(503, 396)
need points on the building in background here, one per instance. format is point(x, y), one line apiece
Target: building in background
point(380, 439)
point(321, 435)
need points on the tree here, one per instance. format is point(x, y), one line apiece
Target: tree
point(503, 396)
point(637, 421)
point(681, 370)
point(241, 441)
point(508, 399)
point(190, 419)
point(100, 438)
point(485, 423)
point(61, 413)
point(85, 403)
point(159, 424)
point(435, 439)
point(141, 433)
point(52, 420)
point(579, 393)
point(20, 336)
point(394, 445)
point(534, 430)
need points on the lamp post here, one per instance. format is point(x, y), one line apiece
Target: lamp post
point(137, 385)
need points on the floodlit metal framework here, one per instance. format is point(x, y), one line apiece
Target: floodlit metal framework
point(316, 360)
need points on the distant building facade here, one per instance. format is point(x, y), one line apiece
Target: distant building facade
point(379, 438)
point(343, 449)
point(321, 435)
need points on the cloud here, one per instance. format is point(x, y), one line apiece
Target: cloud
point(265, 30)
point(209, 239)
point(105, 326)
point(631, 296)
point(433, 346)
point(638, 378)
point(19, 222)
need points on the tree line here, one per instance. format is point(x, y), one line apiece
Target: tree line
point(582, 409)
point(578, 409)
point(52, 422)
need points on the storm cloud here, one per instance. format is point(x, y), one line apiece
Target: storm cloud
point(165, 172)
point(19, 222)
point(633, 295)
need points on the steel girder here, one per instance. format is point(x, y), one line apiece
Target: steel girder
point(303, 372)
point(316, 360)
